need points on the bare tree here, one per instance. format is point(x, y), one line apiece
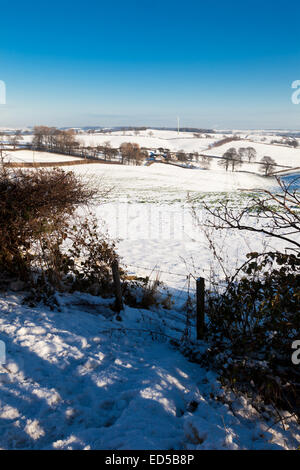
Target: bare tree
point(279, 214)
point(251, 154)
point(106, 149)
point(205, 162)
point(51, 138)
point(181, 156)
point(14, 140)
point(236, 161)
point(268, 164)
point(196, 155)
point(124, 151)
point(230, 158)
point(243, 153)
point(131, 152)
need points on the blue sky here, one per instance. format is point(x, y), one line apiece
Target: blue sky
point(215, 64)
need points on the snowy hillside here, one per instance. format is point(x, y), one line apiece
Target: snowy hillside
point(281, 155)
point(159, 179)
point(188, 142)
point(78, 379)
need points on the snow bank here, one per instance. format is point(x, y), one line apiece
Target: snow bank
point(77, 380)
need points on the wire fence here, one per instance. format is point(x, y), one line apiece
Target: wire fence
point(186, 276)
point(186, 313)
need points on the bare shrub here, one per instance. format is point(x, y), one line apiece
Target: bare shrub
point(254, 319)
point(40, 236)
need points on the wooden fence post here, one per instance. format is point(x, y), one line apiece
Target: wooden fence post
point(200, 290)
point(117, 283)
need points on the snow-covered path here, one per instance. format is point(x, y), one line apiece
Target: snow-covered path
point(74, 380)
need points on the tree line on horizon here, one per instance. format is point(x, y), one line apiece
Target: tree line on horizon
point(66, 141)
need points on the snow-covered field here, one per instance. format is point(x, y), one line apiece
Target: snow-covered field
point(160, 182)
point(149, 213)
point(33, 156)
